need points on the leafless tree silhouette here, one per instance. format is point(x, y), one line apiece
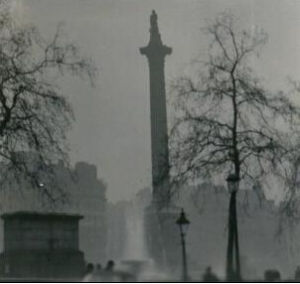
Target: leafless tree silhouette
point(227, 122)
point(34, 115)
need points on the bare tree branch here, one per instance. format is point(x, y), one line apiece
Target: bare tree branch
point(227, 122)
point(34, 115)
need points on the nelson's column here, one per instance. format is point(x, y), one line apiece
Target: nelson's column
point(160, 216)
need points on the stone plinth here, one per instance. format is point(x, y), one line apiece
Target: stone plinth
point(41, 245)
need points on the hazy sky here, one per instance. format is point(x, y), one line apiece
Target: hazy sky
point(112, 127)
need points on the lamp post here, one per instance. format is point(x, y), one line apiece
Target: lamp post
point(233, 272)
point(183, 224)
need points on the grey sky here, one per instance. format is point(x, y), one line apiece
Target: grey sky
point(112, 128)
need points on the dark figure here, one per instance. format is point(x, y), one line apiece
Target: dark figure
point(209, 276)
point(297, 274)
point(109, 275)
point(97, 274)
point(88, 273)
point(272, 275)
point(89, 268)
point(110, 265)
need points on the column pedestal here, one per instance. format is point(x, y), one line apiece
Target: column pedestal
point(162, 237)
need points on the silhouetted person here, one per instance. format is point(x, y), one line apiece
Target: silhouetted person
point(88, 273)
point(97, 274)
point(272, 275)
point(109, 274)
point(297, 274)
point(110, 265)
point(209, 276)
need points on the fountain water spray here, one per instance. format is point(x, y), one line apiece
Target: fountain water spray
point(135, 254)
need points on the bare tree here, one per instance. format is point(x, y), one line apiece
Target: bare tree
point(34, 115)
point(228, 124)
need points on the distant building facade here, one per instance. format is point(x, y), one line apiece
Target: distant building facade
point(41, 245)
point(262, 247)
point(85, 195)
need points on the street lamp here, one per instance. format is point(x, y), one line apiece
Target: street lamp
point(233, 272)
point(183, 224)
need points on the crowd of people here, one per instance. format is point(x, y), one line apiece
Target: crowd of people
point(95, 273)
point(108, 274)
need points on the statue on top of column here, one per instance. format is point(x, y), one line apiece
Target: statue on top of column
point(154, 31)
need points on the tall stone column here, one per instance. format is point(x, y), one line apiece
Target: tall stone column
point(156, 52)
point(160, 217)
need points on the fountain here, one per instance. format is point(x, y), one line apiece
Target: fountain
point(135, 257)
point(136, 232)
point(135, 248)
